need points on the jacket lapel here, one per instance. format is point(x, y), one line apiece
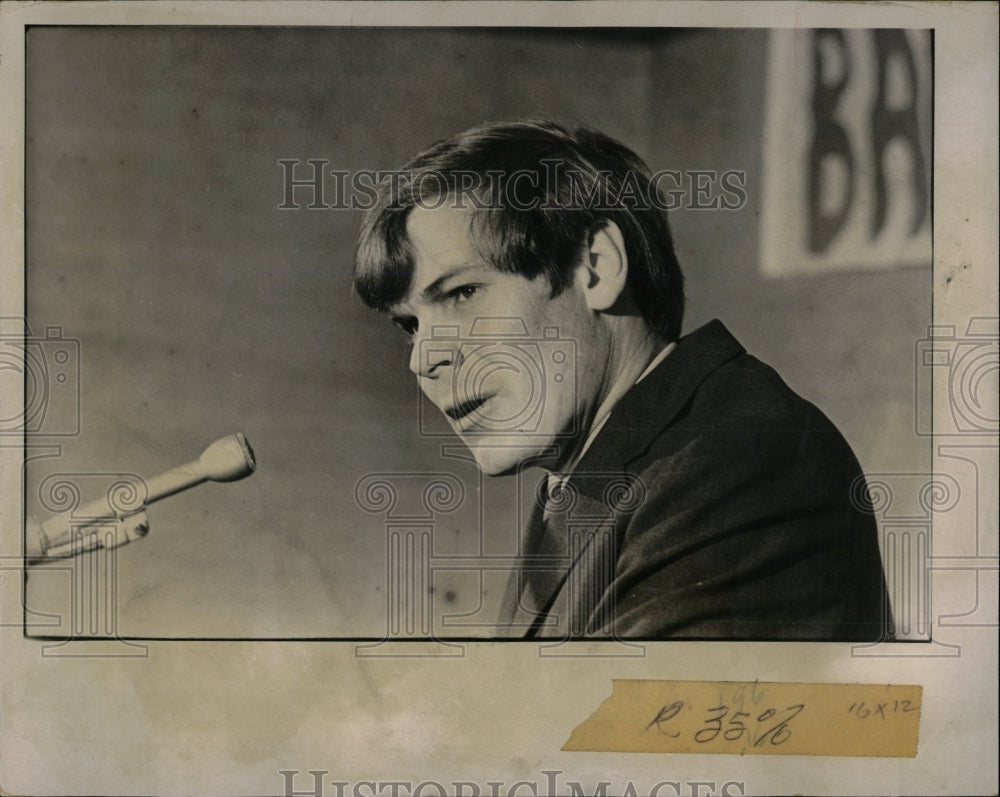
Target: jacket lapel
point(586, 533)
point(569, 562)
point(651, 406)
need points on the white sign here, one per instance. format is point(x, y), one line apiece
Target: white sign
point(847, 154)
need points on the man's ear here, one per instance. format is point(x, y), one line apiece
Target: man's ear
point(606, 266)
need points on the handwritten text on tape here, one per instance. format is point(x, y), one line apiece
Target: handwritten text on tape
point(875, 720)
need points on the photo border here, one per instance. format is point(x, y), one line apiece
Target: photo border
point(454, 719)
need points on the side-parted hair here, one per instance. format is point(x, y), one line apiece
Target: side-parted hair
point(538, 191)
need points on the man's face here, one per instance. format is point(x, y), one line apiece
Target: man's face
point(514, 370)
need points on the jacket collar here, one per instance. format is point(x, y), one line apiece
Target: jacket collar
point(652, 404)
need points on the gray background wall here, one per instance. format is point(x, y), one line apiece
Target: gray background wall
point(155, 238)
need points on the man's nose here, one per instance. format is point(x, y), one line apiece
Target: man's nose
point(434, 352)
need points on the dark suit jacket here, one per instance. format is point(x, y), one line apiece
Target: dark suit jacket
point(714, 504)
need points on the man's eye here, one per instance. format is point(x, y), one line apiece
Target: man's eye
point(408, 325)
point(465, 292)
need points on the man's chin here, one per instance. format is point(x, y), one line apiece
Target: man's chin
point(499, 456)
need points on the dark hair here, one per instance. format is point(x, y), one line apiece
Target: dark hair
point(538, 191)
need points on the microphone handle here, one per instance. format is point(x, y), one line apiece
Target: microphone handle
point(58, 530)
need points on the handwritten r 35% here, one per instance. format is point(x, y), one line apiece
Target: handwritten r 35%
point(722, 722)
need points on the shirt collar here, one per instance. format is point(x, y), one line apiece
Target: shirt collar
point(616, 393)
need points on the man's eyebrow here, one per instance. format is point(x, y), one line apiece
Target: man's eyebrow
point(434, 291)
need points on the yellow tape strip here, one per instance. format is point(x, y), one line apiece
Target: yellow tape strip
point(754, 719)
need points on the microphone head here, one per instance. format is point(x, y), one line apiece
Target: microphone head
point(228, 459)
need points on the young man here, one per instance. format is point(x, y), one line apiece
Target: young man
point(690, 492)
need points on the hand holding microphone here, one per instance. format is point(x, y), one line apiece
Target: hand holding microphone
point(227, 459)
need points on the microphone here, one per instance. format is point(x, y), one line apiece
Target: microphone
point(227, 459)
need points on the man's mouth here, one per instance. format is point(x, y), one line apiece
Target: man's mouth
point(465, 408)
